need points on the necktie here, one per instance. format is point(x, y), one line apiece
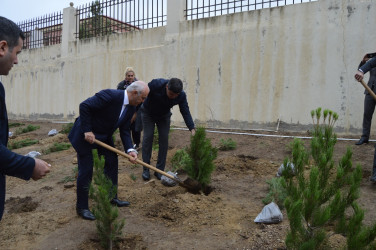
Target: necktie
point(122, 116)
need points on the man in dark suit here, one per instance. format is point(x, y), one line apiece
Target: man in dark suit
point(368, 66)
point(369, 102)
point(12, 164)
point(156, 111)
point(100, 116)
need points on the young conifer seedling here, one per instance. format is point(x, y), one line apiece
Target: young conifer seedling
point(109, 227)
point(321, 195)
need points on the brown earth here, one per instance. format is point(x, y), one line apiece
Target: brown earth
point(41, 215)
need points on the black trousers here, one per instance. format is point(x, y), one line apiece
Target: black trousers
point(163, 126)
point(136, 135)
point(85, 172)
point(369, 108)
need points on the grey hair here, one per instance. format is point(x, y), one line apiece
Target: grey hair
point(138, 86)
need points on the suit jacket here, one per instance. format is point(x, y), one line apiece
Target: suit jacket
point(100, 115)
point(372, 76)
point(10, 163)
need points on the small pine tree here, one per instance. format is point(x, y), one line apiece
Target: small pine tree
point(325, 194)
point(109, 227)
point(179, 159)
point(202, 154)
point(277, 192)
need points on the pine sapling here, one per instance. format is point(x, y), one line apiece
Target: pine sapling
point(324, 195)
point(109, 227)
point(201, 156)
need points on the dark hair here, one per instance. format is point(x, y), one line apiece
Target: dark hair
point(175, 85)
point(10, 32)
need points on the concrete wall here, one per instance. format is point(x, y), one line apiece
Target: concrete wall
point(245, 70)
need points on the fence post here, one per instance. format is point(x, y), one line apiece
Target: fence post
point(69, 28)
point(175, 15)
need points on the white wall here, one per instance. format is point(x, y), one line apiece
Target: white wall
point(244, 70)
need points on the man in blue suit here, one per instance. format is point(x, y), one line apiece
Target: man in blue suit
point(100, 116)
point(12, 164)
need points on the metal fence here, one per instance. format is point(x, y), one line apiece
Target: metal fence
point(105, 17)
point(42, 31)
point(116, 16)
point(196, 9)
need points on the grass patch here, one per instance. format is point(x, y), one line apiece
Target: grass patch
point(66, 128)
point(22, 143)
point(133, 177)
point(70, 178)
point(27, 129)
point(228, 144)
point(57, 147)
point(15, 124)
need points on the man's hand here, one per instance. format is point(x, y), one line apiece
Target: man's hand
point(90, 137)
point(359, 76)
point(193, 132)
point(41, 168)
point(134, 157)
point(133, 118)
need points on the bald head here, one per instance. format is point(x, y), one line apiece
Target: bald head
point(137, 92)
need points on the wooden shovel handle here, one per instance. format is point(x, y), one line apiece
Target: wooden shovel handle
point(137, 160)
point(368, 89)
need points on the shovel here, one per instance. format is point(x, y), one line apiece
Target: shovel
point(368, 89)
point(189, 184)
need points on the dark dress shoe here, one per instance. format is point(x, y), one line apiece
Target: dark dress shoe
point(120, 203)
point(146, 175)
point(85, 214)
point(362, 141)
point(158, 175)
point(373, 177)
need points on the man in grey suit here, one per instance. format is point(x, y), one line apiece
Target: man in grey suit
point(369, 102)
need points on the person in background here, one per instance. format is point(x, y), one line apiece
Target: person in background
point(156, 110)
point(136, 122)
point(100, 116)
point(368, 66)
point(130, 77)
point(369, 102)
point(12, 164)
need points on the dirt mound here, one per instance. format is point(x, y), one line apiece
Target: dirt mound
point(21, 205)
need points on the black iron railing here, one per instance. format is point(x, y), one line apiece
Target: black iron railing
point(43, 31)
point(103, 17)
point(196, 9)
point(106, 17)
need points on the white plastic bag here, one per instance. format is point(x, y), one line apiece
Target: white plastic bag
point(282, 167)
point(270, 214)
point(33, 154)
point(52, 132)
point(167, 181)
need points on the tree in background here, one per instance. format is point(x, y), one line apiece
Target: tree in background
point(109, 227)
point(323, 198)
point(97, 24)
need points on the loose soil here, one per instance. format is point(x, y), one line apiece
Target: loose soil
point(41, 214)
